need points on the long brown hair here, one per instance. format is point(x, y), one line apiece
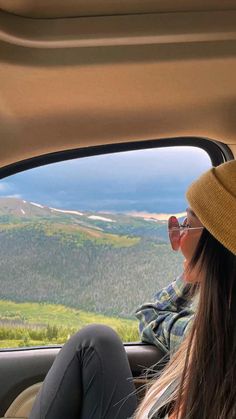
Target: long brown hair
point(205, 364)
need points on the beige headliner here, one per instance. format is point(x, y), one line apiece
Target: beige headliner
point(75, 8)
point(67, 83)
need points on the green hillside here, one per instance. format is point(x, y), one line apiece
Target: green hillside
point(99, 263)
point(30, 324)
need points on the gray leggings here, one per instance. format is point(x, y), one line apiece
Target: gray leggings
point(89, 379)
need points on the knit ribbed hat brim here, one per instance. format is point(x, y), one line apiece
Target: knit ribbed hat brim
point(213, 199)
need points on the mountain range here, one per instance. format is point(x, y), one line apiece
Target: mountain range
point(102, 262)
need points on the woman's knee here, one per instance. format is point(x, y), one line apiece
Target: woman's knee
point(95, 336)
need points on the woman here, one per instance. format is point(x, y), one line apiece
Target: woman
point(199, 382)
point(91, 377)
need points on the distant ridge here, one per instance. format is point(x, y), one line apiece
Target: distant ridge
point(154, 216)
point(22, 208)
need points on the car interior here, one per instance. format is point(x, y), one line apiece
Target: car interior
point(83, 78)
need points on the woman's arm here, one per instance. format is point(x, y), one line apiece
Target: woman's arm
point(165, 322)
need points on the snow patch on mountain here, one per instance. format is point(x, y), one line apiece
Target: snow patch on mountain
point(97, 217)
point(66, 211)
point(37, 205)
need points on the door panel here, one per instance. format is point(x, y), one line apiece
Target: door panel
point(23, 368)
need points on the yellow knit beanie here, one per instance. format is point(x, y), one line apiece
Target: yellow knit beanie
point(213, 199)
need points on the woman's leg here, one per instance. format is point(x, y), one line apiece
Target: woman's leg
point(89, 379)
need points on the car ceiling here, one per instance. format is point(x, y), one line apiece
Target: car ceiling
point(141, 73)
point(75, 8)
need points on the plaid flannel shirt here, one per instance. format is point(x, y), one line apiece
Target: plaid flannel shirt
point(166, 321)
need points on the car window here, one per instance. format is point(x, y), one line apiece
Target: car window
point(85, 240)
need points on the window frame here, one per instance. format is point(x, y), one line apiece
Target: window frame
point(218, 152)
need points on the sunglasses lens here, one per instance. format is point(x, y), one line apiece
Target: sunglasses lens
point(174, 233)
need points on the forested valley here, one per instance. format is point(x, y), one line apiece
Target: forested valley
point(105, 264)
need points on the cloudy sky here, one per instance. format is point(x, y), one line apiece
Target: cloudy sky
point(152, 180)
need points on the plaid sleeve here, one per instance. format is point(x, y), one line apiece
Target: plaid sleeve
point(165, 322)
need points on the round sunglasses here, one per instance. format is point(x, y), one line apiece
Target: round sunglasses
point(175, 229)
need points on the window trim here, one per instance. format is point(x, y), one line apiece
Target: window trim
point(218, 152)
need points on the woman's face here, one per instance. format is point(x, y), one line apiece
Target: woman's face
point(188, 243)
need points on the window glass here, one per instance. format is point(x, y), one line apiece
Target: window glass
point(85, 241)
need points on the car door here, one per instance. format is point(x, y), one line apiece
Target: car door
point(94, 257)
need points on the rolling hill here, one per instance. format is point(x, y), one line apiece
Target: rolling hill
point(106, 263)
